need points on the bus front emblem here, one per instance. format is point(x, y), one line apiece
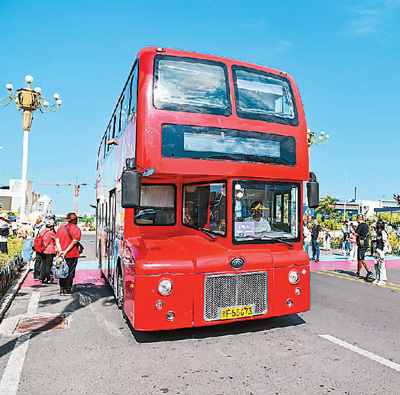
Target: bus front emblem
point(237, 263)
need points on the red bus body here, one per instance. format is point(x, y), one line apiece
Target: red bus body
point(136, 257)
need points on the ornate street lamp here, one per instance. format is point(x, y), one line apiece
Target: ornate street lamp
point(313, 139)
point(28, 100)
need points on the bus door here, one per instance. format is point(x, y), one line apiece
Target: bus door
point(111, 239)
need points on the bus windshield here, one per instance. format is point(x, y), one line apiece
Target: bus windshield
point(265, 211)
point(204, 206)
point(182, 84)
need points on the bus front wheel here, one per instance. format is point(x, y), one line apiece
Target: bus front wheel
point(120, 290)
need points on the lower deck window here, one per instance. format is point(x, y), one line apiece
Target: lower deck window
point(157, 205)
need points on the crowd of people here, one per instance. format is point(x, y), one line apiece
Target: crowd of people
point(56, 244)
point(355, 243)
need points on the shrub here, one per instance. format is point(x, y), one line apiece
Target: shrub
point(14, 246)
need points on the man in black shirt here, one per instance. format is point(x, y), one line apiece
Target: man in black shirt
point(315, 235)
point(362, 245)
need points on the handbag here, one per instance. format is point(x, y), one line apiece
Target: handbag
point(61, 271)
point(78, 245)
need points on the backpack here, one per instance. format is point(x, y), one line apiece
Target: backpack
point(38, 244)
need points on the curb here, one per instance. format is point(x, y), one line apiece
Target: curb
point(5, 302)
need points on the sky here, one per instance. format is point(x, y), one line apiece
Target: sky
point(344, 56)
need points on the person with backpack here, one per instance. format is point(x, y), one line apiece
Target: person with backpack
point(382, 244)
point(45, 246)
point(4, 232)
point(362, 232)
point(37, 228)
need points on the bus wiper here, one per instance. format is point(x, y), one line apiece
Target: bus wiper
point(278, 239)
point(223, 156)
point(205, 231)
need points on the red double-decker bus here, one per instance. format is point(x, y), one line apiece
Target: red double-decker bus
point(199, 192)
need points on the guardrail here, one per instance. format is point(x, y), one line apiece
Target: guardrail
point(9, 272)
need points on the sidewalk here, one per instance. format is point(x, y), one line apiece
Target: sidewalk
point(87, 272)
point(335, 260)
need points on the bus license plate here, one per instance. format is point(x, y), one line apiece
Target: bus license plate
point(236, 312)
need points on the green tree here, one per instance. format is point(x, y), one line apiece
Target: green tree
point(326, 205)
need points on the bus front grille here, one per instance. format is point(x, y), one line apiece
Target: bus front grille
point(234, 290)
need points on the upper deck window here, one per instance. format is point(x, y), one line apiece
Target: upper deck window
point(191, 85)
point(264, 96)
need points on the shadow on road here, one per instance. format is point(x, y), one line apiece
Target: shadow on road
point(85, 294)
point(234, 328)
point(353, 274)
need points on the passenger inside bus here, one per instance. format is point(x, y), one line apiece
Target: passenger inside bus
point(261, 224)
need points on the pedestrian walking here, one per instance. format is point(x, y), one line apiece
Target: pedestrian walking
point(14, 228)
point(346, 245)
point(4, 232)
point(26, 232)
point(373, 239)
point(362, 245)
point(327, 239)
point(353, 243)
point(315, 235)
point(307, 238)
point(48, 254)
point(382, 243)
point(67, 238)
point(37, 228)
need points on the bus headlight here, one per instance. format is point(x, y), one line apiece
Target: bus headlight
point(294, 277)
point(165, 287)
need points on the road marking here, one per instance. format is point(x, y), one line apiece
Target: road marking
point(351, 278)
point(12, 373)
point(362, 352)
point(33, 303)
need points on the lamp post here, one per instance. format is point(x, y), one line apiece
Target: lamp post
point(28, 100)
point(313, 139)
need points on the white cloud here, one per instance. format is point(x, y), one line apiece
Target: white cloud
point(374, 18)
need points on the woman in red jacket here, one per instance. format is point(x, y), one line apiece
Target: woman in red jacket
point(48, 255)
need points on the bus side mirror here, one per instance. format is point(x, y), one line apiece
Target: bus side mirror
point(313, 191)
point(131, 184)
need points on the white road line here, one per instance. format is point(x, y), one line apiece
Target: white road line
point(362, 352)
point(33, 303)
point(12, 374)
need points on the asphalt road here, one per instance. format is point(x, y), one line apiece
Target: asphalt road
point(348, 343)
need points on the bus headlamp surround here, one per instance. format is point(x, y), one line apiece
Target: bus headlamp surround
point(165, 287)
point(294, 277)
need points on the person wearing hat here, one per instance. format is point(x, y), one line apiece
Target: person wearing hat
point(4, 231)
point(67, 238)
point(261, 224)
point(37, 228)
point(48, 254)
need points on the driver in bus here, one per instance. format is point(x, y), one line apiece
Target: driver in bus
point(261, 224)
point(188, 213)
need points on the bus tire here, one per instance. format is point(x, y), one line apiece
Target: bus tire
point(120, 290)
point(100, 263)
